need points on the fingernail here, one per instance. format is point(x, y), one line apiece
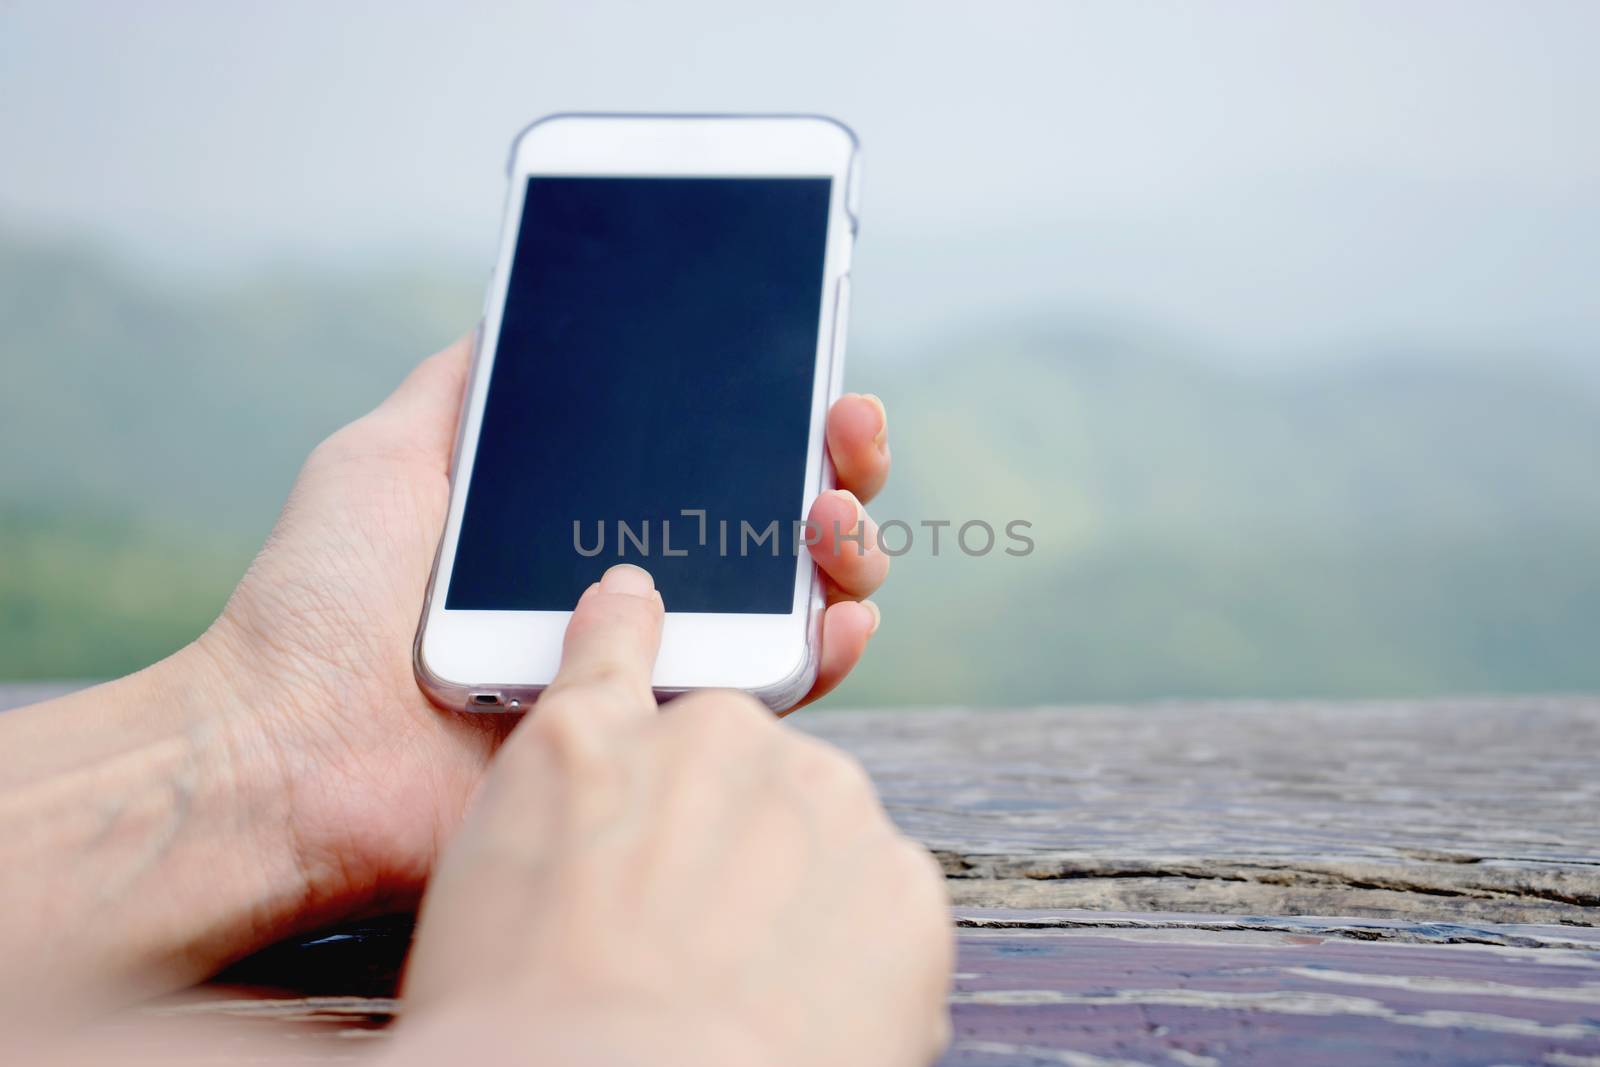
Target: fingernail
point(881, 438)
point(877, 616)
point(628, 580)
point(848, 496)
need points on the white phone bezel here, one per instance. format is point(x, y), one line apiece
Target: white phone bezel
point(500, 660)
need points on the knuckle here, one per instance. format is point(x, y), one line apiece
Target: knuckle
point(614, 678)
point(341, 446)
point(328, 452)
point(566, 737)
point(924, 896)
point(922, 868)
point(372, 438)
point(834, 775)
point(620, 608)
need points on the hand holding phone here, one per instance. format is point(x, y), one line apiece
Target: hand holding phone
point(343, 779)
point(660, 345)
point(349, 775)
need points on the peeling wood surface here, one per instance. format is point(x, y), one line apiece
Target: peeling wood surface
point(1487, 811)
point(1186, 884)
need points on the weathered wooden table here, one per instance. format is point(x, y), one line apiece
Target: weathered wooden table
point(1192, 884)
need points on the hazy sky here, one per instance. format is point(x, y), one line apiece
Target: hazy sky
point(1272, 179)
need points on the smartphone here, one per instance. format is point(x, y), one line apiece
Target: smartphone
point(663, 335)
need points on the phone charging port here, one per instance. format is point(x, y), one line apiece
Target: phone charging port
point(486, 700)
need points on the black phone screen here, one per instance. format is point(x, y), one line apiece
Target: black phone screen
point(656, 357)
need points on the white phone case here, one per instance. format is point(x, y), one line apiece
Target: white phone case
point(491, 696)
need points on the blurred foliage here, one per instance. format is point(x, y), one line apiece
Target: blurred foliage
point(1404, 524)
point(84, 595)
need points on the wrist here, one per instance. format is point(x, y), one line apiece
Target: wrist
point(149, 819)
point(250, 717)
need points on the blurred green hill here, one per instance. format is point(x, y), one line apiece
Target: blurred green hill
point(1397, 527)
point(1402, 524)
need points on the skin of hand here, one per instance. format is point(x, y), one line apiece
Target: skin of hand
point(284, 771)
point(319, 631)
point(697, 884)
